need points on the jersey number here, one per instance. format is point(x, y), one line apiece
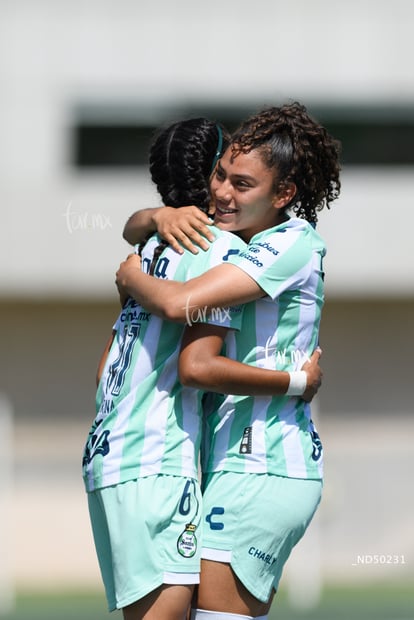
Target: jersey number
point(119, 367)
point(185, 502)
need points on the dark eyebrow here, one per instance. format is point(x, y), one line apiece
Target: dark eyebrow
point(237, 177)
point(244, 177)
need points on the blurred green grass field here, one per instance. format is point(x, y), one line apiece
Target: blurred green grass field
point(373, 603)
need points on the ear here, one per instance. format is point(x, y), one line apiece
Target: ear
point(286, 191)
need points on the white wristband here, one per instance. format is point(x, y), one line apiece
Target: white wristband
point(297, 383)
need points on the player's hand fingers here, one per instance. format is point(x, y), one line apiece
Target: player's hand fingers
point(308, 396)
point(192, 239)
point(185, 237)
point(174, 242)
point(316, 355)
point(131, 259)
point(186, 227)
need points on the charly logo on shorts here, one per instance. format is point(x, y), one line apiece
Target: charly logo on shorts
point(187, 541)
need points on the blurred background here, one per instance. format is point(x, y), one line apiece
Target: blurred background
point(83, 86)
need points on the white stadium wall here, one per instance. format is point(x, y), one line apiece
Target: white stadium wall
point(67, 61)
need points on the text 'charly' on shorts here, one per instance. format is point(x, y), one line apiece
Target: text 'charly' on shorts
point(253, 521)
point(147, 532)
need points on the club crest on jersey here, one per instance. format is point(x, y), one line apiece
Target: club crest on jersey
point(187, 541)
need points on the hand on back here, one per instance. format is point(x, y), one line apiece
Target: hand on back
point(314, 375)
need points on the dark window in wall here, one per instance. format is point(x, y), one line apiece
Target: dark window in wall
point(369, 136)
point(103, 138)
point(99, 145)
point(374, 142)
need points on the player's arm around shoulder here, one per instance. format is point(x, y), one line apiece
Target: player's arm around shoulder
point(202, 366)
point(223, 285)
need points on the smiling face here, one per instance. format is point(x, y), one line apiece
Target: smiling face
point(244, 194)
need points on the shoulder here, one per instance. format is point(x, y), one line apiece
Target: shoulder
point(295, 232)
point(227, 236)
point(224, 242)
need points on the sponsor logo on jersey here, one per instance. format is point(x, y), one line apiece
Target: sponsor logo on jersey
point(230, 253)
point(134, 316)
point(266, 245)
point(160, 269)
point(252, 259)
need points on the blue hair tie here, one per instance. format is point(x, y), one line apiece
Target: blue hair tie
point(219, 147)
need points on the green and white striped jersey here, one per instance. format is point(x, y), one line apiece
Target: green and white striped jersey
point(147, 422)
point(273, 434)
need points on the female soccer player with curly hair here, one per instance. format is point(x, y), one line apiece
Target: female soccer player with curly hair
point(262, 466)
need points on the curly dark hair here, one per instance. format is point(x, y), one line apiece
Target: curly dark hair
point(300, 149)
point(182, 158)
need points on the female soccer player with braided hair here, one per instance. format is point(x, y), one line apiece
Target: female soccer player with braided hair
point(140, 462)
point(263, 461)
point(182, 158)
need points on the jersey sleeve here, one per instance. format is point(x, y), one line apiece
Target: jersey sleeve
point(280, 260)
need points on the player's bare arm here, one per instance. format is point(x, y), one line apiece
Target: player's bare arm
point(222, 286)
point(186, 227)
point(140, 225)
point(201, 366)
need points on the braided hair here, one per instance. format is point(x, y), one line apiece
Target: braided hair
point(182, 159)
point(300, 149)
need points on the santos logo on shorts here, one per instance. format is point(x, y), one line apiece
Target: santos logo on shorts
point(187, 541)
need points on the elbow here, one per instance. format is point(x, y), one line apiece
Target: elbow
point(192, 374)
point(175, 310)
point(130, 233)
point(169, 313)
point(127, 235)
